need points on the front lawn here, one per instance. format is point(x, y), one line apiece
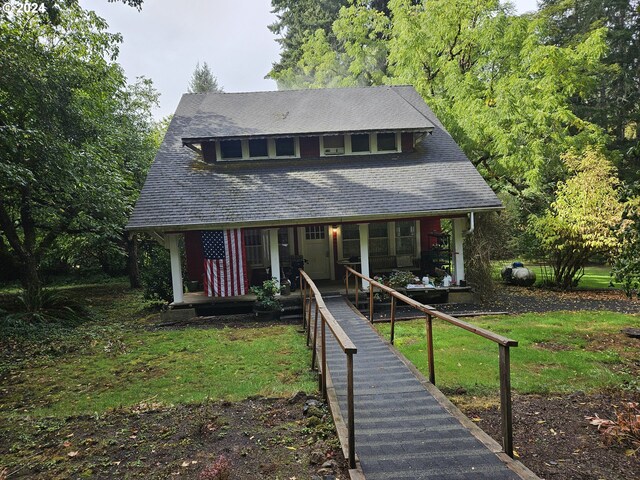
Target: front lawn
point(119, 359)
point(121, 397)
point(595, 276)
point(558, 352)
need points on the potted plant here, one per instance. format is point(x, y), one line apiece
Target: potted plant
point(267, 306)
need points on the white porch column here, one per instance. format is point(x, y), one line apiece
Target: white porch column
point(176, 268)
point(274, 251)
point(364, 252)
point(459, 226)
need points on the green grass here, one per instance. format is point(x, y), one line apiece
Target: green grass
point(558, 352)
point(117, 360)
point(595, 276)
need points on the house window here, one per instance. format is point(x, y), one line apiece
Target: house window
point(285, 147)
point(258, 148)
point(405, 237)
point(283, 246)
point(386, 142)
point(231, 149)
point(314, 232)
point(350, 241)
point(253, 247)
point(378, 239)
point(333, 144)
point(360, 142)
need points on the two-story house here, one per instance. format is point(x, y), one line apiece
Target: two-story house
point(360, 175)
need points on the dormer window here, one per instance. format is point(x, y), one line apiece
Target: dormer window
point(258, 148)
point(285, 147)
point(230, 149)
point(360, 143)
point(333, 145)
point(387, 142)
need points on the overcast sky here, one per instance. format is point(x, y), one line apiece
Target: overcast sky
point(164, 41)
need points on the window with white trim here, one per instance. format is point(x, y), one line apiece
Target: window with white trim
point(314, 232)
point(258, 148)
point(254, 247)
point(405, 237)
point(285, 147)
point(360, 143)
point(333, 145)
point(230, 149)
point(387, 142)
point(350, 240)
point(378, 239)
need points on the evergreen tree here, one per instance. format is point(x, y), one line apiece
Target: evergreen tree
point(203, 81)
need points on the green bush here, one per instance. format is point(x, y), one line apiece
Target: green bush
point(40, 309)
point(155, 272)
point(266, 295)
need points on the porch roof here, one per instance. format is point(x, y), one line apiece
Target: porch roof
point(183, 193)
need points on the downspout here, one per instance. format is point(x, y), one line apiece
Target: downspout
point(472, 224)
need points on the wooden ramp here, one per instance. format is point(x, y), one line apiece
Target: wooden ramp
point(404, 427)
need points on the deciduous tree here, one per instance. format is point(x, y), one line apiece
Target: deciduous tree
point(75, 139)
point(584, 218)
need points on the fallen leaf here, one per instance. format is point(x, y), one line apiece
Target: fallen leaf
point(66, 444)
point(73, 454)
point(476, 419)
point(292, 448)
point(185, 464)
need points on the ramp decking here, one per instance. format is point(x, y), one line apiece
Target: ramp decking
point(402, 431)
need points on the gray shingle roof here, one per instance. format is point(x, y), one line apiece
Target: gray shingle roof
point(183, 193)
point(303, 112)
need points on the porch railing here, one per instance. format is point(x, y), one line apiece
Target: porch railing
point(312, 300)
point(504, 343)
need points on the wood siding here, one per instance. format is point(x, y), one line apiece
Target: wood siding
point(209, 152)
point(407, 142)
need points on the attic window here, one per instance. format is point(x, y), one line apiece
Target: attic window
point(360, 142)
point(230, 149)
point(285, 147)
point(258, 148)
point(387, 142)
point(333, 144)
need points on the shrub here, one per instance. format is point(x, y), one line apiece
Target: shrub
point(49, 306)
point(400, 279)
point(155, 272)
point(266, 295)
point(624, 430)
point(41, 310)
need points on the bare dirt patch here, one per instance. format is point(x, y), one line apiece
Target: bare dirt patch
point(261, 438)
point(552, 437)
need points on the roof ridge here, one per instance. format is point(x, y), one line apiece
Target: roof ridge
point(356, 87)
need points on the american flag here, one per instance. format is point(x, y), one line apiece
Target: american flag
point(225, 263)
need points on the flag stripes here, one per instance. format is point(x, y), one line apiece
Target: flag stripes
point(224, 263)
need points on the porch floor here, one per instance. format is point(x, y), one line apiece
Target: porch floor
point(192, 299)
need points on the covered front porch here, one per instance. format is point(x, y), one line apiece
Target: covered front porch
point(430, 246)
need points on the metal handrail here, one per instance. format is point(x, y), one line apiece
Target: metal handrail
point(504, 344)
point(311, 294)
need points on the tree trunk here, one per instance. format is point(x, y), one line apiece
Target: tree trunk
point(133, 269)
point(31, 282)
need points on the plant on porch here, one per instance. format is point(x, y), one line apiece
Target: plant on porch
point(267, 306)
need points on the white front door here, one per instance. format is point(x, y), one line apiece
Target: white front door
point(315, 249)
